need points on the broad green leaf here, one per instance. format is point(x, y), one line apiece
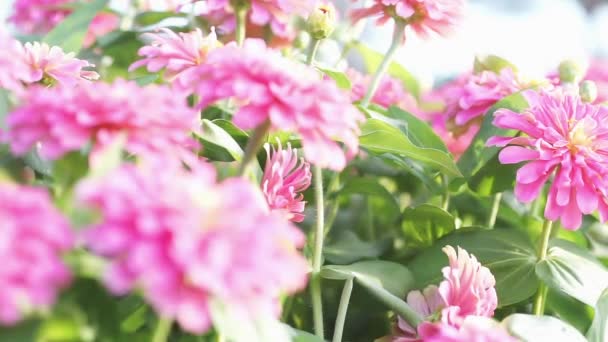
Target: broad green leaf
point(341, 79)
point(493, 177)
point(570, 310)
point(478, 154)
point(418, 131)
point(23, 332)
point(240, 136)
point(302, 336)
point(70, 33)
point(425, 224)
point(372, 60)
point(599, 328)
point(574, 271)
point(371, 187)
point(389, 276)
point(380, 137)
point(348, 248)
point(507, 253)
point(531, 328)
point(33, 160)
point(70, 168)
point(218, 145)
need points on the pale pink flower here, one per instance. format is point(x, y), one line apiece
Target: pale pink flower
point(13, 70)
point(423, 16)
point(176, 53)
point(33, 237)
point(565, 137)
point(285, 178)
point(598, 73)
point(101, 25)
point(390, 92)
point(153, 119)
point(206, 241)
point(427, 303)
point(474, 329)
point(291, 96)
point(50, 64)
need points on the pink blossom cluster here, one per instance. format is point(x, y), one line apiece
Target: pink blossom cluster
point(186, 241)
point(41, 16)
point(466, 291)
point(39, 63)
point(565, 139)
point(33, 237)
point(390, 91)
point(285, 178)
point(423, 16)
point(289, 96)
point(153, 119)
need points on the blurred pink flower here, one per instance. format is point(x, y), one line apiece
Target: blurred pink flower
point(390, 92)
point(474, 329)
point(154, 119)
point(426, 303)
point(13, 70)
point(291, 96)
point(598, 73)
point(49, 64)
point(206, 241)
point(33, 236)
point(41, 16)
point(423, 16)
point(285, 178)
point(177, 53)
point(565, 137)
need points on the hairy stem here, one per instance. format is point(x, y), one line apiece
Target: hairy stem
point(342, 309)
point(312, 52)
point(494, 211)
point(541, 295)
point(241, 23)
point(253, 146)
point(315, 289)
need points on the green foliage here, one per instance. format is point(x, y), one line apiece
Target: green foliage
point(341, 79)
point(424, 225)
point(599, 328)
point(543, 328)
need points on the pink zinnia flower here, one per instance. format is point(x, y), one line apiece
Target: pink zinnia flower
point(390, 92)
point(565, 137)
point(427, 303)
point(474, 329)
point(423, 16)
point(289, 95)
point(13, 70)
point(176, 53)
point(206, 241)
point(33, 236)
point(598, 73)
point(154, 119)
point(101, 25)
point(285, 178)
point(49, 64)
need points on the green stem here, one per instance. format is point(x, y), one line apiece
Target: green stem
point(398, 35)
point(162, 331)
point(541, 295)
point(312, 51)
point(494, 211)
point(315, 289)
point(253, 145)
point(342, 309)
point(371, 230)
point(445, 201)
point(241, 24)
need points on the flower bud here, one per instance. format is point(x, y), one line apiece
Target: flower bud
point(322, 21)
point(588, 91)
point(570, 72)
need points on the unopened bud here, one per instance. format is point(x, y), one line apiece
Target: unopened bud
point(588, 91)
point(570, 72)
point(322, 21)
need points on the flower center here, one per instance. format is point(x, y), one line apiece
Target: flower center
point(580, 135)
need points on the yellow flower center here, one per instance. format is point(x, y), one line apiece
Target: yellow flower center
point(579, 135)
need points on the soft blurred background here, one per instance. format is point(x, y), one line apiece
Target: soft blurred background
point(534, 34)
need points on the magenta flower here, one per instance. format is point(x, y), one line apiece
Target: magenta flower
point(51, 64)
point(289, 95)
point(427, 303)
point(176, 53)
point(38, 16)
point(565, 137)
point(154, 119)
point(474, 329)
point(33, 236)
point(423, 16)
point(207, 241)
point(390, 92)
point(285, 178)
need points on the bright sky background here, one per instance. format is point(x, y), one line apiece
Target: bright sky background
point(534, 34)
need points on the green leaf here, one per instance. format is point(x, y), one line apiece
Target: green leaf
point(541, 328)
point(70, 33)
point(478, 154)
point(418, 131)
point(341, 79)
point(574, 271)
point(372, 60)
point(380, 137)
point(23, 332)
point(5, 106)
point(492, 63)
point(145, 80)
point(33, 160)
point(507, 253)
point(152, 18)
point(70, 168)
point(371, 187)
point(348, 248)
point(570, 310)
point(599, 328)
point(392, 277)
point(425, 224)
point(218, 145)
point(302, 336)
point(493, 177)
point(240, 136)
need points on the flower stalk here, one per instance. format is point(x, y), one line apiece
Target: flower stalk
point(541, 295)
point(241, 23)
point(398, 36)
point(162, 330)
point(254, 144)
point(494, 211)
point(342, 310)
